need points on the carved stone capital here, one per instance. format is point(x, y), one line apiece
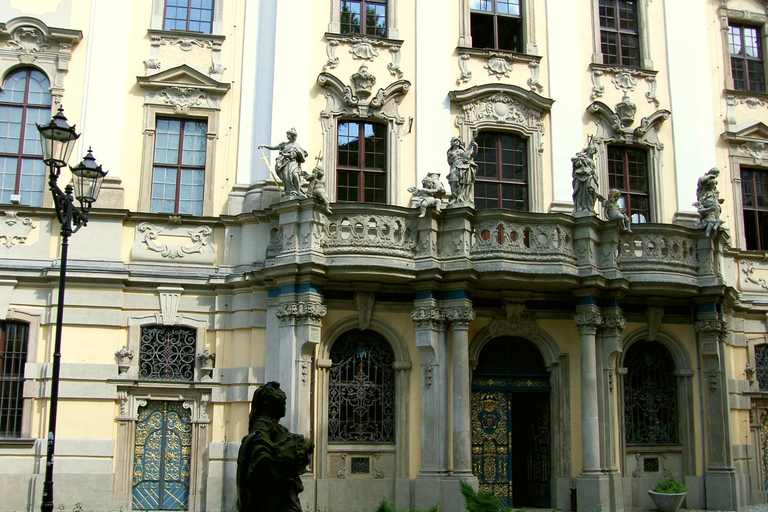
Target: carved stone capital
point(588, 322)
point(709, 326)
point(428, 318)
point(459, 316)
point(293, 311)
point(613, 324)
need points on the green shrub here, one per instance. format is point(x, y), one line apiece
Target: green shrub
point(386, 506)
point(671, 486)
point(478, 501)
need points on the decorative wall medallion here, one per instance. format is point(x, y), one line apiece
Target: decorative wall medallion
point(28, 41)
point(756, 150)
point(624, 80)
point(363, 50)
point(362, 82)
point(498, 66)
point(182, 98)
point(15, 229)
point(466, 74)
point(149, 244)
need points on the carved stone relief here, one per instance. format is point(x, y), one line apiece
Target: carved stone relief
point(182, 98)
point(748, 270)
point(466, 74)
point(364, 302)
point(185, 43)
point(756, 150)
point(154, 243)
point(624, 80)
point(515, 321)
point(364, 48)
point(14, 230)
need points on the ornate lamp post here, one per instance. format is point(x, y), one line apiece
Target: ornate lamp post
point(58, 140)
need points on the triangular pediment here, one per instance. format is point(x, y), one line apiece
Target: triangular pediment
point(182, 76)
point(751, 130)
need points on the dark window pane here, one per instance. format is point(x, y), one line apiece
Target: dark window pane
point(482, 30)
point(364, 17)
point(368, 181)
point(506, 154)
point(510, 33)
point(14, 339)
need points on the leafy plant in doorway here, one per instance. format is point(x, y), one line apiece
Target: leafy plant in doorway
point(478, 501)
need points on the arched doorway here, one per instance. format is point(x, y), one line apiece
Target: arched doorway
point(511, 423)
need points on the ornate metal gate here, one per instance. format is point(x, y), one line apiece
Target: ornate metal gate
point(161, 460)
point(511, 424)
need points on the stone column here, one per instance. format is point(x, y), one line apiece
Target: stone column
point(435, 437)
point(721, 490)
point(592, 484)
point(460, 318)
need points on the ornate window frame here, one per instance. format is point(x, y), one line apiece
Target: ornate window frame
point(643, 25)
point(747, 146)
point(158, 15)
point(752, 18)
point(615, 128)
point(334, 26)
point(180, 92)
point(512, 109)
point(684, 373)
point(28, 42)
point(333, 460)
point(529, 28)
point(355, 102)
point(33, 334)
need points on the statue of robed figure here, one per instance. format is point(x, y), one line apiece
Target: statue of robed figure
point(271, 459)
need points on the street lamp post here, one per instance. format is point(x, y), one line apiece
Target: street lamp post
point(58, 140)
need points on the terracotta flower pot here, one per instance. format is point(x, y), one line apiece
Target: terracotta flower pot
point(667, 502)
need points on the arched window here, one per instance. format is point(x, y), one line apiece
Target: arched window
point(24, 100)
point(167, 353)
point(361, 389)
point(650, 395)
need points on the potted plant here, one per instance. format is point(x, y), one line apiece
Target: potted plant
point(668, 495)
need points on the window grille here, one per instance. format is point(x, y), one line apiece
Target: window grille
point(360, 465)
point(25, 100)
point(361, 401)
point(650, 395)
point(650, 464)
point(14, 337)
point(761, 362)
point(167, 353)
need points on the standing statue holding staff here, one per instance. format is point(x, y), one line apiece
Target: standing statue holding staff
point(585, 184)
point(463, 170)
point(288, 163)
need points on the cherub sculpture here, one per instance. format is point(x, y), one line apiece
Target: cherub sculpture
point(708, 203)
point(316, 187)
point(430, 194)
point(614, 212)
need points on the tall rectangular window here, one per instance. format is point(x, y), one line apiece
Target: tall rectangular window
point(746, 58)
point(619, 32)
point(364, 17)
point(190, 15)
point(25, 99)
point(754, 204)
point(502, 172)
point(497, 24)
point(13, 355)
point(178, 174)
point(362, 162)
point(628, 173)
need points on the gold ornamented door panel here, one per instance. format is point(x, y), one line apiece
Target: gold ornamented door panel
point(161, 461)
point(492, 444)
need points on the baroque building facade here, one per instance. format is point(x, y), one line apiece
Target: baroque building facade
point(542, 354)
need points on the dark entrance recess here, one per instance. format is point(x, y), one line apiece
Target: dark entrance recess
point(511, 423)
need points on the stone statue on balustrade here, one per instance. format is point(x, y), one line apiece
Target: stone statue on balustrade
point(316, 187)
point(463, 170)
point(271, 459)
point(614, 212)
point(708, 203)
point(288, 164)
point(585, 183)
point(430, 194)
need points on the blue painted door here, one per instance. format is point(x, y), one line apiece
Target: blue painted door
point(161, 457)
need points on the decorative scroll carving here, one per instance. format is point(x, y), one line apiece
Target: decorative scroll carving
point(342, 100)
point(588, 320)
point(748, 269)
point(533, 82)
point(15, 229)
point(370, 234)
point(185, 43)
point(756, 150)
point(200, 238)
point(28, 41)
point(525, 242)
point(515, 321)
point(394, 66)
point(625, 80)
point(182, 98)
point(466, 74)
point(330, 50)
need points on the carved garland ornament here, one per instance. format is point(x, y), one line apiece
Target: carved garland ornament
point(294, 310)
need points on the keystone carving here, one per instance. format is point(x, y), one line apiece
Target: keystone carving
point(182, 98)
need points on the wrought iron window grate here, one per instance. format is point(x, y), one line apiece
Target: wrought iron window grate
point(650, 464)
point(361, 389)
point(650, 395)
point(761, 364)
point(360, 465)
point(13, 354)
point(167, 353)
